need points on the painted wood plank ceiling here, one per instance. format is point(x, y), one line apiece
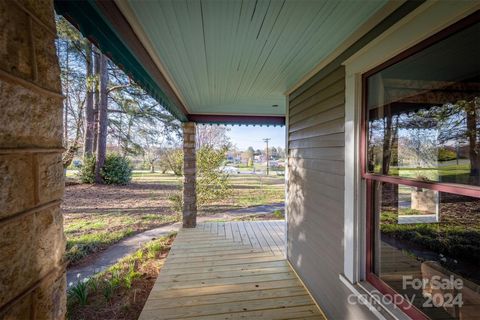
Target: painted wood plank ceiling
point(240, 57)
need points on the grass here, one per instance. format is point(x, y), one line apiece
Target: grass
point(410, 212)
point(99, 216)
point(91, 234)
point(449, 173)
point(455, 241)
point(275, 215)
point(80, 246)
point(123, 288)
point(252, 190)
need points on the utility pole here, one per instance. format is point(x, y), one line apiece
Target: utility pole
point(266, 141)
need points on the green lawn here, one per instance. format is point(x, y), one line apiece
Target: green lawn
point(449, 173)
point(250, 190)
point(99, 216)
point(455, 239)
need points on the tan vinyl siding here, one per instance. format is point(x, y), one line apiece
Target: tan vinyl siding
point(316, 139)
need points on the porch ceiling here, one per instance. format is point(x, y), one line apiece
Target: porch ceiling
point(234, 59)
point(240, 57)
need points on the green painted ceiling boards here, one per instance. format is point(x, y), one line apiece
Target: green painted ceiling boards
point(240, 57)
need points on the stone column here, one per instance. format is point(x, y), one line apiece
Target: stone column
point(189, 176)
point(32, 244)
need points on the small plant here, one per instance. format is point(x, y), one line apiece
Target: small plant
point(79, 292)
point(93, 284)
point(153, 248)
point(130, 276)
point(87, 170)
point(116, 283)
point(108, 289)
point(278, 214)
point(116, 170)
point(116, 280)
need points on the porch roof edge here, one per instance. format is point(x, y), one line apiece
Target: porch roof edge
point(238, 120)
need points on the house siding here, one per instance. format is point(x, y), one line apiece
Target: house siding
point(315, 191)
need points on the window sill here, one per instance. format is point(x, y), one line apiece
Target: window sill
point(367, 295)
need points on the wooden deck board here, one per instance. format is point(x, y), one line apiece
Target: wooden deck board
point(229, 270)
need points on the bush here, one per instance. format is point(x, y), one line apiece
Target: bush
point(446, 154)
point(172, 160)
point(212, 183)
point(87, 170)
point(116, 170)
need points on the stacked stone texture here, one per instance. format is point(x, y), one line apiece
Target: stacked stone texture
point(32, 243)
point(189, 176)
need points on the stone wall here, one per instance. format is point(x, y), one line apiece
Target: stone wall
point(32, 272)
point(189, 176)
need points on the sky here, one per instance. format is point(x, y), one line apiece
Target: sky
point(244, 136)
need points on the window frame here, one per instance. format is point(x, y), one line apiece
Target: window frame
point(369, 179)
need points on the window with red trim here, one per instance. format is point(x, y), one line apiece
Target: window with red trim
point(422, 165)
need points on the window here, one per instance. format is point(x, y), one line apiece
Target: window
point(421, 162)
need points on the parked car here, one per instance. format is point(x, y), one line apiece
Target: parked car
point(230, 170)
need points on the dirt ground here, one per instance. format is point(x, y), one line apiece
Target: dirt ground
point(97, 216)
point(126, 303)
point(136, 198)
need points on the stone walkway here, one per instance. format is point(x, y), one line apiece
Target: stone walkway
point(265, 209)
point(129, 245)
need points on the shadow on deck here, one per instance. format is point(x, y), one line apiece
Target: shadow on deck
point(229, 270)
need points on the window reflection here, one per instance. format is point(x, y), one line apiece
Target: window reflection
point(424, 113)
point(426, 235)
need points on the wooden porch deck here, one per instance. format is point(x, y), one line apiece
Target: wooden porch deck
point(229, 270)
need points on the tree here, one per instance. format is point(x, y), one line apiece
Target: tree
point(91, 122)
point(72, 59)
point(151, 140)
point(274, 152)
point(96, 94)
point(280, 152)
point(460, 122)
point(212, 137)
point(69, 154)
point(251, 152)
point(89, 112)
point(131, 110)
point(172, 159)
point(102, 120)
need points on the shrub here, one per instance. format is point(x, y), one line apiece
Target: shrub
point(172, 159)
point(212, 183)
point(116, 170)
point(279, 214)
point(87, 170)
point(446, 154)
point(177, 201)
